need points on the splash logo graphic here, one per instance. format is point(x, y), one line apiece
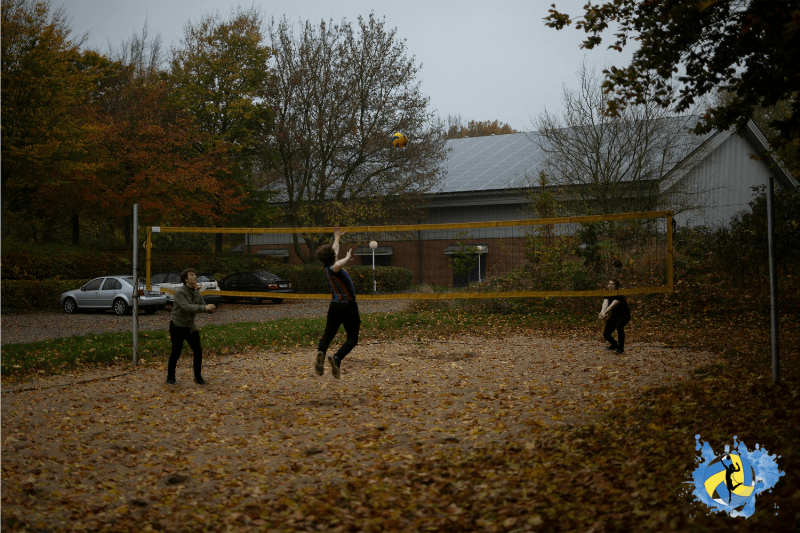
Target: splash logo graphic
point(731, 481)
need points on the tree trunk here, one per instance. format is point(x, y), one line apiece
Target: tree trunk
point(218, 244)
point(76, 229)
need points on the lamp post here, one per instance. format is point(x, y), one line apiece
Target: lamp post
point(373, 245)
point(480, 249)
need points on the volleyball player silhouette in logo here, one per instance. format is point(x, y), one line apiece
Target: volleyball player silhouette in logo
point(729, 471)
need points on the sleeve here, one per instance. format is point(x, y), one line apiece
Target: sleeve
point(183, 301)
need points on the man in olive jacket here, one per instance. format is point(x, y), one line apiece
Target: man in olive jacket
point(187, 303)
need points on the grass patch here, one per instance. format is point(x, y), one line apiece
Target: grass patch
point(22, 361)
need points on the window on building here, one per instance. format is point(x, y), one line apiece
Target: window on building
point(477, 272)
point(383, 255)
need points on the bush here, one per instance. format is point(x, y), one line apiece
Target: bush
point(42, 262)
point(310, 279)
point(33, 294)
point(45, 262)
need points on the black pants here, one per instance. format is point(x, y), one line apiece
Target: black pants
point(339, 314)
point(616, 323)
point(177, 335)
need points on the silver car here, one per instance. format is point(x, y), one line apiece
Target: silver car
point(172, 282)
point(111, 292)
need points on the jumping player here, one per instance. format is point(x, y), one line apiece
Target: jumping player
point(615, 308)
point(342, 310)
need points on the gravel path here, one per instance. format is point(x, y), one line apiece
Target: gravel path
point(24, 327)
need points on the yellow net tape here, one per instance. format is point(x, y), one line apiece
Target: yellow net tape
point(534, 258)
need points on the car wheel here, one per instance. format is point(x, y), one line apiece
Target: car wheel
point(120, 306)
point(255, 300)
point(70, 306)
point(276, 300)
point(150, 310)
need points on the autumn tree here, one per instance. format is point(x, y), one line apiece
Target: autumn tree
point(616, 163)
point(748, 48)
point(457, 129)
point(45, 80)
point(220, 74)
point(338, 96)
point(148, 154)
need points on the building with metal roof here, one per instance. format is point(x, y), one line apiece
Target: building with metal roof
point(489, 178)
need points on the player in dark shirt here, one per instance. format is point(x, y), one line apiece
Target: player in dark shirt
point(617, 314)
point(342, 310)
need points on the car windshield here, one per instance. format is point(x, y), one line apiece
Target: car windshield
point(205, 277)
point(265, 276)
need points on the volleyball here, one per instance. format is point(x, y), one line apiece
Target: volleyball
point(399, 140)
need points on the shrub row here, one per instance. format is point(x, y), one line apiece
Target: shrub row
point(32, 294)
point(33, 262)
point(310, 279)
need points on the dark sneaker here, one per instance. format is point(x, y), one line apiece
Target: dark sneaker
point(619, 350)
point(171, 381)
point(334, 366)
point(199, 380)
point(612, 347)
point(319, 364)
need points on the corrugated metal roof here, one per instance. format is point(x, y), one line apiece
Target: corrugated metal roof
point(492, 162)
point(500, 162)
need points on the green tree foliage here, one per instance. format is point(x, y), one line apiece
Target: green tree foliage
point(456, 129)
point(746, 47)
point(465, 257)
point(338, 97)
point(788, 151)
point(741, 248)
point(220, 74)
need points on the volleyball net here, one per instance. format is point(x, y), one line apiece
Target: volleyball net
point(548, 257)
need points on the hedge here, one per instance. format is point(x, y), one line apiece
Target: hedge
point(31, 262)
point(306, 279)
point(311, 279)
point(33, 294)
point(34, 276)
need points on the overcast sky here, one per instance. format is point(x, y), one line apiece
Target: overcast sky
point(481, 59)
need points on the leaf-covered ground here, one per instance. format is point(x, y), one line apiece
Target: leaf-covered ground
point(524, 424)
point(120, 450)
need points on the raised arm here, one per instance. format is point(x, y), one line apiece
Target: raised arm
point(337, 266)
point(337, 234)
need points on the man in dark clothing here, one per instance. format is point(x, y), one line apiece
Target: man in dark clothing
point(342, 310)
point(616, 310)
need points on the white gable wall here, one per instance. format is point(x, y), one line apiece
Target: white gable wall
point(723, 181)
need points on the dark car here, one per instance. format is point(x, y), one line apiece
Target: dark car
point(256, 281)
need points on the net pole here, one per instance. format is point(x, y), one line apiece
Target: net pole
point(670, 256)
point(148, 243)
point(773, 283)
point(135, 284)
